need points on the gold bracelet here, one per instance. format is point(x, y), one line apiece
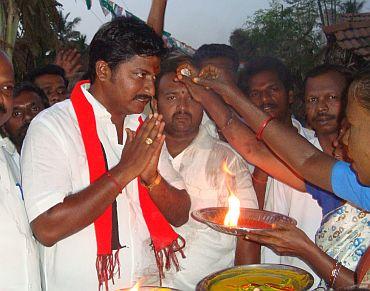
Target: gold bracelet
point(334, 274)
point(155, 183)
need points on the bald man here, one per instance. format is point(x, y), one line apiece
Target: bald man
point(19, 268)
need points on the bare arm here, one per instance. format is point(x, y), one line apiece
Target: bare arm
point(259, 180)
point(247, 252)
point(173, 203)
point(79, 210)
point(156, 15)
point(307, 161)
point(280, 239)
point(242, 139)
point(310, 163)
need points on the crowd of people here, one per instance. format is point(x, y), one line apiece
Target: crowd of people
point(95, 194)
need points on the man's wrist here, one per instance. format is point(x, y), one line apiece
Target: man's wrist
point(152, 182)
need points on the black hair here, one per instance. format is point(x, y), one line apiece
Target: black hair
point(30, 87)
point(360, 89)
point(121, 39)
point(216, 50)
point(50, 69)
point(260, 64)
point(326, 68)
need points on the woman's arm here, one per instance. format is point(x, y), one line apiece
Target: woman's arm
point(242, 138)
point(307, 161)
point(280, 238)
point(156, 15)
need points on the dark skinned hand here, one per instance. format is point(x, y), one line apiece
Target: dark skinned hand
point(69, 60)
point(139, 156)
point(217, 79)
point(195, 90)
point(284, 238)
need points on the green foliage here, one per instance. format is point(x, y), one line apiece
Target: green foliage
point(352, 6)
point(32, 30)
point(290, 33)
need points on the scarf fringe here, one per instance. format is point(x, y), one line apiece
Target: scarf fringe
point(106, 267)
point(167, 256)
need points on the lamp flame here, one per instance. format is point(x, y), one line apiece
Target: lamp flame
point(232, 215)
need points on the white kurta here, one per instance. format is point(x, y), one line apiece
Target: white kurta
point(199, 166)
point(19, 267)
point(54, 165)
point(301, 206)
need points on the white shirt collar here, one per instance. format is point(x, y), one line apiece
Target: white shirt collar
point(99, 109)
point(202, 139)
point(131, 121)
point(305, 132)
point(7, 144)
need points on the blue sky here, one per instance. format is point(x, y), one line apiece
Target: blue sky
point(187, 20)
point(192, 21)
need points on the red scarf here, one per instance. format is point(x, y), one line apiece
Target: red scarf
point(164, 240)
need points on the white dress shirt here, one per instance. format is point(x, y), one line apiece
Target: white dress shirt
point(54, 166)
point(199, 168)
point(19, 258)
point(301, 206)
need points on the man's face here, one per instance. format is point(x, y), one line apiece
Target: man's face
point(323, 101)
point(357, 139)
point(131, 85)
point(6, 88)
point(268, 93)
point(223, 63)
point(25, 107)
point(53, 86)
point(181, 113)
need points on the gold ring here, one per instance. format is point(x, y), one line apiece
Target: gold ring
point(148, 141)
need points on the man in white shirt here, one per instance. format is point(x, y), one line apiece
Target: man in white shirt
point(192, 156)
point(65, 204)
point(19, 268)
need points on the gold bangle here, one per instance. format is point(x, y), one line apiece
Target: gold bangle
point(155, 183)
point(334, 274)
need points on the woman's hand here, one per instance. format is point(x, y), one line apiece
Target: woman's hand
point(186, 69)
point(285, 239)
point(217, 79)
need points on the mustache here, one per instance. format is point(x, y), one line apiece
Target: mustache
point(179, 113)
point(324, 115)
point(143, 97)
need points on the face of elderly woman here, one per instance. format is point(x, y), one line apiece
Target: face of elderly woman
point(357, 139)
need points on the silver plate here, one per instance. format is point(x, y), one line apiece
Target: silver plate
point(301, 279)
point(214, 218)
